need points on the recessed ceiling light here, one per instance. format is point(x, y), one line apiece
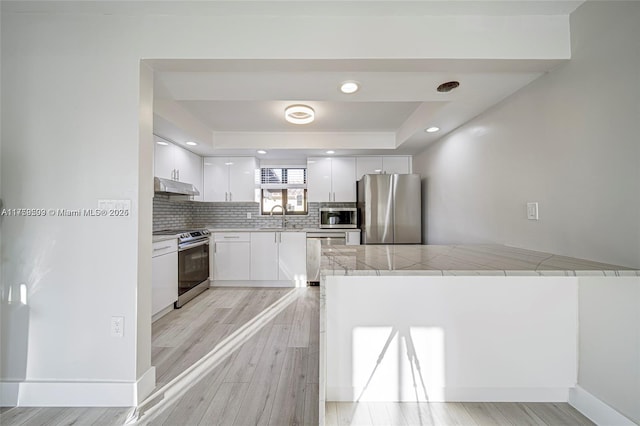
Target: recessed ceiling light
point(261, 151)
point(162, 143)
point(432, 129)
point(228, 163)
point(349, 87)
point(331, 152)
point(191, 143)
point(299, 114)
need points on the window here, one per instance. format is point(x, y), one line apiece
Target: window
point(286, 187)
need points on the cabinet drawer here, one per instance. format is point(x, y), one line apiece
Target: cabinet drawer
point(232, 237)
point(164, 247)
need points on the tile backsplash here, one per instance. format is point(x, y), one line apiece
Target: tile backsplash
point(193, 214)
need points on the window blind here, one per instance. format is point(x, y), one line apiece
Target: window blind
point(271, 177)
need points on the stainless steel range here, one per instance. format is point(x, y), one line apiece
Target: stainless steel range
point(193, 262)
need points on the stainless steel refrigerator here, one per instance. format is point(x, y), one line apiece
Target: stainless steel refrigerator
point(390, 209)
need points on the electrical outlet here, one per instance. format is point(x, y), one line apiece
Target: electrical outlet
point(532, 211)
point(117, 326)
point(248, 215)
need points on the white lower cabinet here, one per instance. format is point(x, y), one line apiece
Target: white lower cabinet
point(231, 256)
point(279, 256)
point(259, 256)
point(264, 256)
point(292, 257)
point(164, 275)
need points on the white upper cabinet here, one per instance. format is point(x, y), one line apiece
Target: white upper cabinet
point(163, 162)
point(387, 164)
point(176, 163)
point(368, 166)
point(396, 164)
point(331, 179)
point(318, 179)
point(229, 178)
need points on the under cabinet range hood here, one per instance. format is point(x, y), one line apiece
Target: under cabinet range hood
point(173, 187)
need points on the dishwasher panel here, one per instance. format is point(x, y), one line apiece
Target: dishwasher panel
point(315, 242)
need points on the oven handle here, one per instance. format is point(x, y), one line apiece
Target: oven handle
point(196, 244)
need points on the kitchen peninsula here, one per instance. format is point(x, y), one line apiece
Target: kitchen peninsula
point(462, 323)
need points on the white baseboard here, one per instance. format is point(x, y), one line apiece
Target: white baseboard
point(9, 394)
point(145, 385)
point(453, 394)
point(249, 283)
point(72, 394)
point(596, 410)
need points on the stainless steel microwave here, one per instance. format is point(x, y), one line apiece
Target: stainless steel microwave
point(338, 217)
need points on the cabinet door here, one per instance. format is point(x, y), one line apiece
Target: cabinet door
point(231, 261)
point(242, 178)
point(292, 262)
point(352, 238)
point(189, 166)
point(164, 281)
point(319, 179)
point(399, 164)
point(163, 159)
point(216, 179)
point(264, 256)
point(343, 179)
point(368, 166)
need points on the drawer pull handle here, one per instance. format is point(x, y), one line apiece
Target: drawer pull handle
point(161, 248)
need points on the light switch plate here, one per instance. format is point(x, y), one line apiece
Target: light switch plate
point(248, 215)
point(532, 211)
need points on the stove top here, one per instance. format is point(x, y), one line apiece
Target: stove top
point(185, 235)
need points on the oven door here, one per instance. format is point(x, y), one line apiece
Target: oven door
point(193, 266)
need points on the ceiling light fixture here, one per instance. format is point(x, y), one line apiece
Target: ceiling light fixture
point(162, 143)
point(331, 152)
point(299, 114)
point(261, 151)
point(191, 143)
point(348, 87)
point(432, 129)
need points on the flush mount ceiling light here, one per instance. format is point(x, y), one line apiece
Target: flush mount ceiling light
point(432, 129)
point(261, 151)
point(330, 152)
point(299, 114)
point(348, 87)
point(191, 143)
point(162, 143)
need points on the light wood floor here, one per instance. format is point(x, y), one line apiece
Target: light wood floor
point(272, 379)
point(453, 413)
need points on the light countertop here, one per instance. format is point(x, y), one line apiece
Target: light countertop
point(281, 230)
point(158, 238)
point(463, 260)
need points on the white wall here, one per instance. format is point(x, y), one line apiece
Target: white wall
point(71, 135)
point(609, 342)
point(569, 141)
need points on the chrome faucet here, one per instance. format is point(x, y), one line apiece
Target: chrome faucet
point(283, 213)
